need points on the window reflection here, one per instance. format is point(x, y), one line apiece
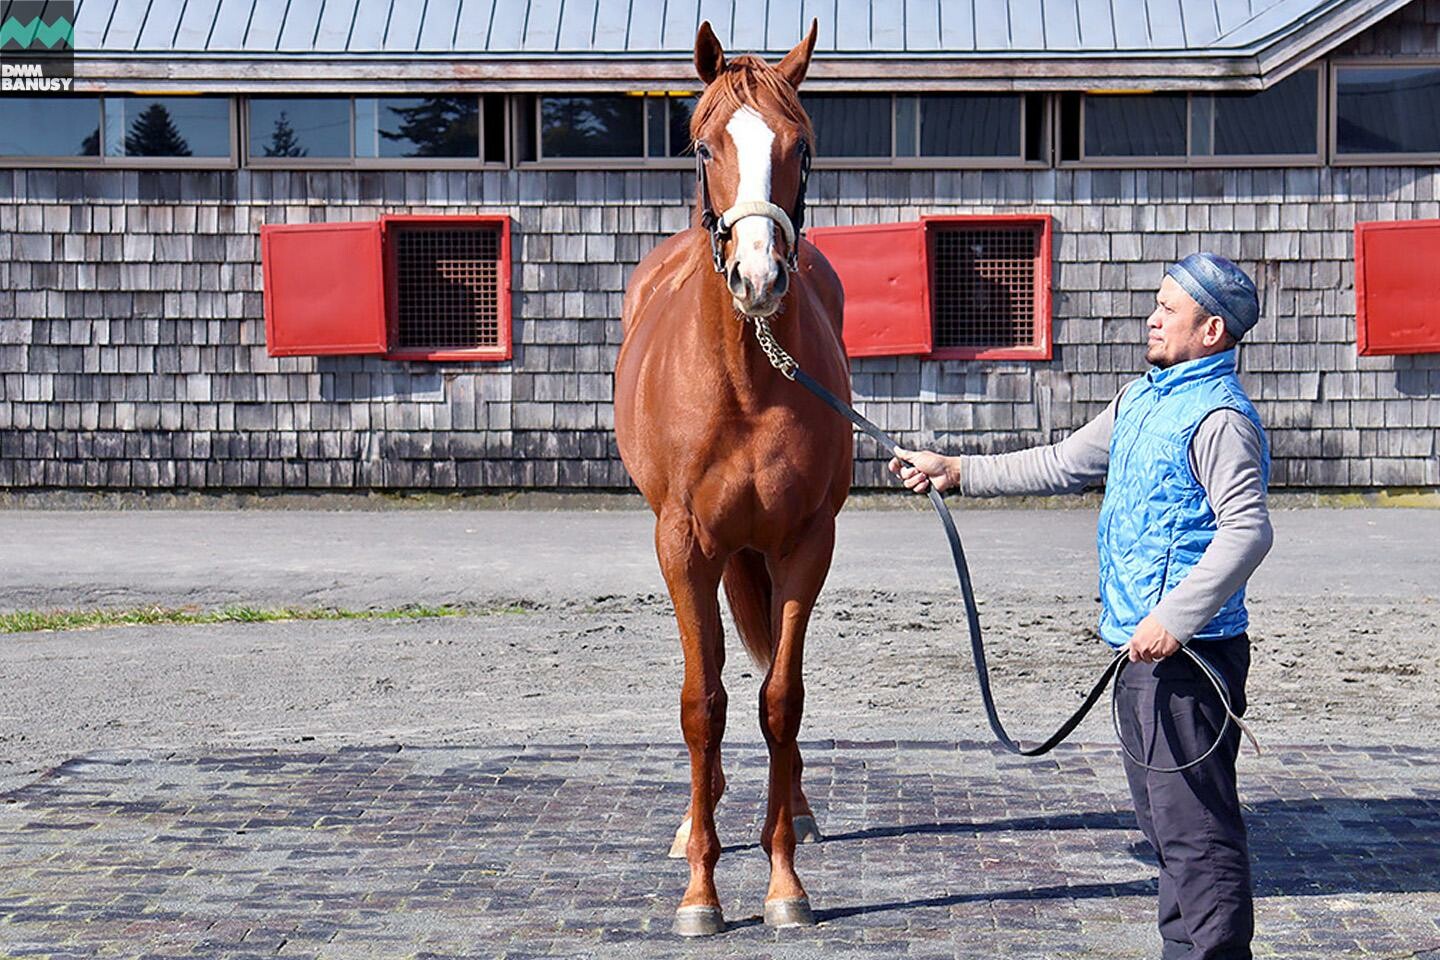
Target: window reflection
point(850, 126)
point(596, 126)
point(167, 127)
point(1135, 126)
point(417, 127)
point(49, 126)
point(1281, 120)
point(299, 127)
point(970, 125)
point(680, 110)
point(1388, 110)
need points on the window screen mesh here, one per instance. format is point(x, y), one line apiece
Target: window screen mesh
point(448, 287)
point(982, 286)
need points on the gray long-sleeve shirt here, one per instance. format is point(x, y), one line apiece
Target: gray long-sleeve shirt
point(1225, 455)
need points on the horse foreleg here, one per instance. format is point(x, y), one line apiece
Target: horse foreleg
point(694, 583)
point(799, 577)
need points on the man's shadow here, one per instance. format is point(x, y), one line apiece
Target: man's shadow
point(1299, 848)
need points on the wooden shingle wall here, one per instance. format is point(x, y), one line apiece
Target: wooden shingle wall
point(132, 339)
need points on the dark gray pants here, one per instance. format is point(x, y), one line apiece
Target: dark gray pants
point(1169, 715)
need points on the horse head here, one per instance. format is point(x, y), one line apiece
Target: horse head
point(753, 144)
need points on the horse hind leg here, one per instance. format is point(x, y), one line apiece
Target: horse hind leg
point(807, 829)
point(681, 843)
point(694, 581)
point(751, 594)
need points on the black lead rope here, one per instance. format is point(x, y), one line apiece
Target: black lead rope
point(977, 644)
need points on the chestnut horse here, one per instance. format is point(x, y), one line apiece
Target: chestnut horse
point(745, 470)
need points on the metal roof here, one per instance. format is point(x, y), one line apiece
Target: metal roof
point(661, 33)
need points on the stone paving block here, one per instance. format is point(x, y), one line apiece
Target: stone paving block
point(931, 850)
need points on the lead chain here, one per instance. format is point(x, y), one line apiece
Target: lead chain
point(775, 353)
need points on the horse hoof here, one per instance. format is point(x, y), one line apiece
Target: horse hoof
point(681, 841)
point(806, 829)
point(699, 921)
point(789, 913)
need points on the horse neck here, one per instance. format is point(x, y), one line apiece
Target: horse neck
point(729, 339)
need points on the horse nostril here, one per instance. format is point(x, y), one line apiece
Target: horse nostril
point(736, 283)
point(782, 283)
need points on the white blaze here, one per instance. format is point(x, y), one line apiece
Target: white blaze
point(754, 236)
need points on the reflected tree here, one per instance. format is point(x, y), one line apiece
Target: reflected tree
point(438, 127)
point(283, 141)
point(154, 134)
point(591, 126)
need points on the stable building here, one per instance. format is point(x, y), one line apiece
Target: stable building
point(382, 245)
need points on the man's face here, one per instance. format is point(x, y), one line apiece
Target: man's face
point(1180, 329)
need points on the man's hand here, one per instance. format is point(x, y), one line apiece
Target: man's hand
point(928, 468)
point(1151, 642)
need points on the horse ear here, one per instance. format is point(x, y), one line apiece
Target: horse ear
point(797, 61)
point(709, 55)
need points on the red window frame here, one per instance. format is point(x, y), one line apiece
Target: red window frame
point(1042, 346)
point(503, 350)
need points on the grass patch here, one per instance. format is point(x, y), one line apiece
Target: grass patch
point(26, 621)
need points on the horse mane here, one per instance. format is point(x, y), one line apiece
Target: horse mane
point(748, 81)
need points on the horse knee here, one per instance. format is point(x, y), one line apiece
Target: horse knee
point(702, 715)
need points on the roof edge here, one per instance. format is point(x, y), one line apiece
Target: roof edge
point(394, 75)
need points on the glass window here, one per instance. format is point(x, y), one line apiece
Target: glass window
point(970, 125)
point(417, 127)
point(298, 127)
point(680, 110)
point(1118, 125)
point(850, 126)
point(594, 126)
point(167, 127)
point(1388, 110)
point(657, 122)
point(907, 124)
point(1279, 121)
point(49, 126)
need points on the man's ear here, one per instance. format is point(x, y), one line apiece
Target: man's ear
point(1214, 330)
point(709, 55)
point(797, 61)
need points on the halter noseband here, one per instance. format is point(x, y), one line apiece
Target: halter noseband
point(720, 225)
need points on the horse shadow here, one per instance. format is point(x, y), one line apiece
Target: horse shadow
point(1299, 848)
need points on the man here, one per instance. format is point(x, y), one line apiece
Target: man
point(1183, 525)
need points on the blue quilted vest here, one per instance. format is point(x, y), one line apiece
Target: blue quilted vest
point(1156, 521)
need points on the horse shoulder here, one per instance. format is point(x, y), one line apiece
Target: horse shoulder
point(660, 270)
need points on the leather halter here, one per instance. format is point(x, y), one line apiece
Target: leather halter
point(719, 226)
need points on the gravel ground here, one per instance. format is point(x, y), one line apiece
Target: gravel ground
point(582, 646)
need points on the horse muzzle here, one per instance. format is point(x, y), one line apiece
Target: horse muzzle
point(758, 279)
point(758, 293)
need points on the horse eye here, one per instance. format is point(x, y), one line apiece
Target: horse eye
point(702, 151)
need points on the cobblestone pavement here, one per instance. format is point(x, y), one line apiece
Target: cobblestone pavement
point(931, 850)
